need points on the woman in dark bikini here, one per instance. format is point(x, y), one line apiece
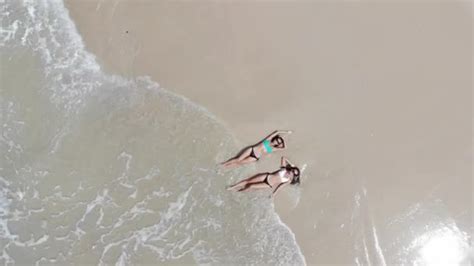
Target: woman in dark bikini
point(287, 174)
point(253, 153)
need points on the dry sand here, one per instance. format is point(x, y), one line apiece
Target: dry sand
point(379, 97)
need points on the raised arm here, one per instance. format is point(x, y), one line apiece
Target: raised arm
point(285, 162)
point(277, 132)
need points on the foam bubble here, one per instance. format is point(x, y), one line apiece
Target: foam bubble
point(121, 168)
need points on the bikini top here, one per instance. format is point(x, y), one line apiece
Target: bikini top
point(267, 146)
point(281, 174)
point(285, 169)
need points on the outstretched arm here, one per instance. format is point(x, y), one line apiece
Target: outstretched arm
point(277, 132)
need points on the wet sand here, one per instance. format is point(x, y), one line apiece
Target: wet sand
point(379, 97)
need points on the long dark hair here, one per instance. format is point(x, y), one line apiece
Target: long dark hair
point(279, 140)
point(296, 174)
point(295, 180)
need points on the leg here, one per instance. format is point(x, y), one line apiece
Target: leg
point(254, 186)
point(253, 179)
point(245, 157)
point(236, 162)
point(230, 162)
point(241, 158)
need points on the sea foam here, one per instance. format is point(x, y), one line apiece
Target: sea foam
point(103, 169)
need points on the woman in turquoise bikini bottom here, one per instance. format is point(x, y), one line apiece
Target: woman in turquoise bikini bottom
point(253, 153)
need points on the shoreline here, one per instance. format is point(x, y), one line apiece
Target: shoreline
point(224, 57)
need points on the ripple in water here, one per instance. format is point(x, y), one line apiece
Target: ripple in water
point(101, 169)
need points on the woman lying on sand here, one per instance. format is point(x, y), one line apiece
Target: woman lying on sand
point(287, 174)
point(273, 142)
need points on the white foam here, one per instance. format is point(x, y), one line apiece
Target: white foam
point(74, 76)
point(46, 28)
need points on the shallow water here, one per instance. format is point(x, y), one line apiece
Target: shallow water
point(378, 96)
point(103, 169)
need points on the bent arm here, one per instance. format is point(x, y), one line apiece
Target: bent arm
point(285, 162)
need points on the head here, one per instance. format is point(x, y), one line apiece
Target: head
point(277, 142)
point(295, 174)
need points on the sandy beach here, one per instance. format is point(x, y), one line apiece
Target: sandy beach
point(379, 96)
